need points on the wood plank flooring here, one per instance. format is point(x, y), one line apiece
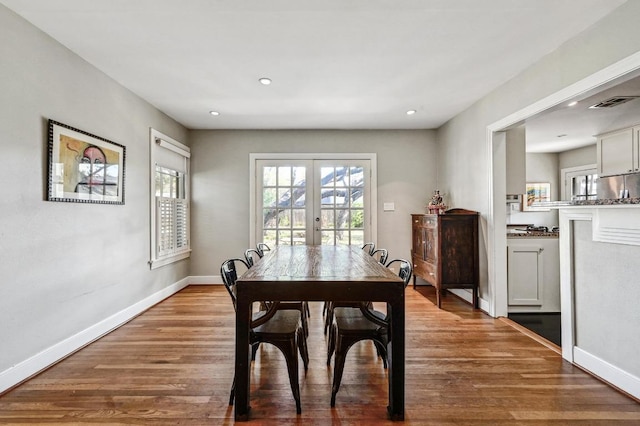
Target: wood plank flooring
point(173, 365)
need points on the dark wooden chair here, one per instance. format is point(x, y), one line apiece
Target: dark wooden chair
point(281, 328)
point(354, 324)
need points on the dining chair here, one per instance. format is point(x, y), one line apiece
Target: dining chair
point(370, 247)
point(262, 247)
point(251, 254)
point(353, 324)
point(381, 255)
point(281, 328)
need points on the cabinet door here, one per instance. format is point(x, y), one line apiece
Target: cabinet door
point(615, 153)
point(418, 245)
point(431, 245)
point(525, 275)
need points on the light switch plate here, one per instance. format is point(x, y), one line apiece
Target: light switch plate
point(389, 207)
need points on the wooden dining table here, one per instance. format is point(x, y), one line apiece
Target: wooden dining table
point(320, 273)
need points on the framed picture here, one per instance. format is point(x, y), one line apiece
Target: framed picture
point(537, 192)
point(84, 168)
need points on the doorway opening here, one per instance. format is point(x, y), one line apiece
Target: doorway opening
point(607, 78)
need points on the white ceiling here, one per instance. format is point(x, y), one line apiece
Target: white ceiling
point(567, 127)
point(335, 64)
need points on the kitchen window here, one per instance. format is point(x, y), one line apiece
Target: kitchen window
point(580, 183)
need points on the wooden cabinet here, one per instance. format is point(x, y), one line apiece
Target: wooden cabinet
point(445, 250)
point(618, 152)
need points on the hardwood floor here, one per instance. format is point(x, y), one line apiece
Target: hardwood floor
point(173, 365)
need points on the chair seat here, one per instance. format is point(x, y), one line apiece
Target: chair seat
point(282, 322)
point(351, 320)
point(352, 325)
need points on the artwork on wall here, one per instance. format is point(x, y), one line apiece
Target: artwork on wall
point(84, 168)
point(536, 193)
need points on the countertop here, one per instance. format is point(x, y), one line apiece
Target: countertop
point(533, 234)
point(602, 202)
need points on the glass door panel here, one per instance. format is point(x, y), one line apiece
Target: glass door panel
point(283, 203)
point(342, 202)
point(312, 202)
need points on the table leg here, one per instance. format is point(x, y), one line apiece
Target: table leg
point(243, 358)
point(396, 363)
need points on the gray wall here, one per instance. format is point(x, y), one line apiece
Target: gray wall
point(606, 296)
point(578, 157)
point(467, 177)
point(541, 168)
point(220, 169)
point(66, 266)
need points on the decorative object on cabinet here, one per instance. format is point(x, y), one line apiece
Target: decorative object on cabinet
point(536, 192)
point(436, 204)
point(445, 251)
point(84, 168)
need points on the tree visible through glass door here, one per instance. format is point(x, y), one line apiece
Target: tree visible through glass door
point(312, 202)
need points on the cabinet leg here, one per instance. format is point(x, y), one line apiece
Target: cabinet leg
point(439, 298)
point(414, 282)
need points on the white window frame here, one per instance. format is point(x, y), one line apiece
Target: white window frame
point(158, 141)
point(567, 173)
point(373, 182)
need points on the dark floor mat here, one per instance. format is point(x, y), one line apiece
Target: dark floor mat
point(545, 325)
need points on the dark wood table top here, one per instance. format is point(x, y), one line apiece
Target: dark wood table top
point(319, 263)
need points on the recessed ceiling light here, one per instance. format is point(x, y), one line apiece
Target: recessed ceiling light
point(214, 113)
point(264, 80)
point(574, 103)
point(411, 112)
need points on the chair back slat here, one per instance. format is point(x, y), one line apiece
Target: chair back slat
point(261, 248)
point(249, 256)
point(369, 247)
point(405, 270)
point(229, 273)
point(381, 255)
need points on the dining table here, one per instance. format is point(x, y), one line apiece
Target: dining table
point(320, 273)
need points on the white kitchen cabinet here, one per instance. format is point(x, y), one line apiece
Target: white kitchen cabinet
point(533, 274)
point(617, 152)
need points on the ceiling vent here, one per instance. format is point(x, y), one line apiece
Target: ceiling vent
point(612, 102)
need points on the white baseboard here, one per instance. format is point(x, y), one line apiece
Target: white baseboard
point(205, 280)
point(610, 373)
point(466, 294)
point(32, 366)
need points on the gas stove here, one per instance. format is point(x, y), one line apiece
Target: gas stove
point(532, 228)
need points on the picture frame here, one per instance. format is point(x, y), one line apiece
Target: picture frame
point(84, 168)
point(536, 192)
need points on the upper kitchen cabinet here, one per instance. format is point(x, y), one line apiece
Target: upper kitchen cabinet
point(515, 145)
point(618, 152)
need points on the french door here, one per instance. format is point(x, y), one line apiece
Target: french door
point(313, 201)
